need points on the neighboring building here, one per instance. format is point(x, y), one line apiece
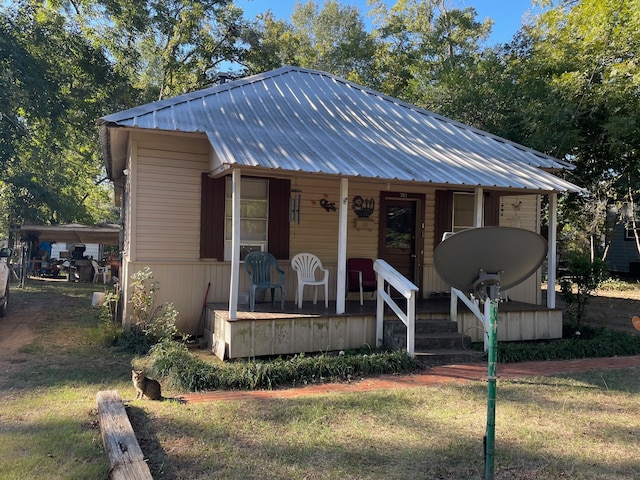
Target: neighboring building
point(622, 255)
point(323, 166)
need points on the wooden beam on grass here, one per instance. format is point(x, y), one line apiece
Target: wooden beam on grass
point(125, 456)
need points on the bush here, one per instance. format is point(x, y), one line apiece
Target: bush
point(589, 342)
point(188, 372)
point(150, 324)
point(584, 276)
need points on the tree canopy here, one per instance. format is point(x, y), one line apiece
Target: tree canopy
point(567, 84)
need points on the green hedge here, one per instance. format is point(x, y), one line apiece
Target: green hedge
point(188, 372)
point(592, 342)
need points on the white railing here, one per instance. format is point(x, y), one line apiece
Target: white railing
point(386, 274)
point(473, 305)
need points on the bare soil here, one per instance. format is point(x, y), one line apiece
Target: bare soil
point(613, 309)
point(18, 329)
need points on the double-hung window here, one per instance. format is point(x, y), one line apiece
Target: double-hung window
point(264, 217)
point(254, 215)
point(462, 211)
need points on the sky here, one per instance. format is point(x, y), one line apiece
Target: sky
point(507, 15)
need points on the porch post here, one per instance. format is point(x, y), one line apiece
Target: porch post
point(342, 246)
point(478, 204)
point(235, 244)
point(552, 260)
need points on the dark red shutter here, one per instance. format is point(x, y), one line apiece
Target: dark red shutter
point(443, 212)
point(212, 218)
point(279, 192)
point(492, 209)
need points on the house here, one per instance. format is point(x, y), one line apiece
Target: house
point(296, 160)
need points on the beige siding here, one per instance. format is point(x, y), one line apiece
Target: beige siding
point(163, 225)
point(523, 211)
point(168, 197)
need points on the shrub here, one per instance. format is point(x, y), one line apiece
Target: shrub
point(150, 323)
point(188, 372)
point(584, 276)
point(156, 322)
point(591, 342)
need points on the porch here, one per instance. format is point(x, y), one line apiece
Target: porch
point(268, 331)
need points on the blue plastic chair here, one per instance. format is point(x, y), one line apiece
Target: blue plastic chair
point(265, 273)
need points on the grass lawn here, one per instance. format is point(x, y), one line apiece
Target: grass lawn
point(580, 427)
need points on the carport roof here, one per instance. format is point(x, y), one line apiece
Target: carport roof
point(73, 233)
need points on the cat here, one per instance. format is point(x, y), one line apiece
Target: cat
point(146, 387)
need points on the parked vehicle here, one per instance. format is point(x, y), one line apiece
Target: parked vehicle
point(5, 253)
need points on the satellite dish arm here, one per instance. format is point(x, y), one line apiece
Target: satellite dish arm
point(487, 285)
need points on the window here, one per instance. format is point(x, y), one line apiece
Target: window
point(254, 213)
point(454, 211)
point(462, 211)
point(629, 234)
point(264, 217)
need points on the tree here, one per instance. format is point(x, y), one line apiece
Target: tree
point(426, 50)
point(54, 86)
point(583, 102)
point(164, 47)
point(332, 38)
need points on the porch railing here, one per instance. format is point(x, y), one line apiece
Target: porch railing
point(473, 305)
point(386, 274)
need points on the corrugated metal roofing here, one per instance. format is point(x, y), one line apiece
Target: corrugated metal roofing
point(302, 120)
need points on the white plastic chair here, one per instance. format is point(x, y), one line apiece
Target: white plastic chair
point(306, 265)
point(99, 271)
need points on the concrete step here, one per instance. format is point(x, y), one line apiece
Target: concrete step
point(430, 358)
point(435, 341)
point(430, 325)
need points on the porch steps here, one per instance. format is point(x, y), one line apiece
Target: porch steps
point(437, 341)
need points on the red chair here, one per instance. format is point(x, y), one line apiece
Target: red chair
point(360, 276)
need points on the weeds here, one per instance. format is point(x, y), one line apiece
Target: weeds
point(151, 323)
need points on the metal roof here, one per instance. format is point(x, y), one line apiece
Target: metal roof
point(300, 120)
point(73, 233)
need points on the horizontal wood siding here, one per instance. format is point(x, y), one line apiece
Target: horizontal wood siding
point(523, 211)
point(168, 197)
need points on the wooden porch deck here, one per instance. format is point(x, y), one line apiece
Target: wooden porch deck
point(312, 328)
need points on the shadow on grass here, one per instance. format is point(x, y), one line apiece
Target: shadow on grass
point(154, 454)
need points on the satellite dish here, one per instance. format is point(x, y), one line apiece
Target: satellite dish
point(490, 258)
point(514, 253)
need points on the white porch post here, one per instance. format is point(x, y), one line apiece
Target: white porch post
point(478, 204)
point(234, 284)
point(552, 260)
point(342, 245)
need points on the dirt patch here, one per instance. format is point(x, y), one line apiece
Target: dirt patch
point(18, 329)
point(613, 309)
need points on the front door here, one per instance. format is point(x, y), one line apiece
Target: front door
point(400, 240)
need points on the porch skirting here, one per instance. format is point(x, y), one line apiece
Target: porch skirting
point(312, 329)
point(256, 335)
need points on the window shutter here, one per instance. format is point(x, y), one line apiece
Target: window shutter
point(279, 192)
point(212, 218)
point(492, 209)
point(443, 209)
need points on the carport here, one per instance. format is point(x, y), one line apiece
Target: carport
point(25, 237)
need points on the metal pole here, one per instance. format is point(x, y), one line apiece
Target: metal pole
point(491, 390)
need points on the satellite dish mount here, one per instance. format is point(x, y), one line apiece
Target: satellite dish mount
point(478, 262)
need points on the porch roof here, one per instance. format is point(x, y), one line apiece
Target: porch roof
point(299, 120)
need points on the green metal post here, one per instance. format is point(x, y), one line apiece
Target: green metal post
point(491, 390)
